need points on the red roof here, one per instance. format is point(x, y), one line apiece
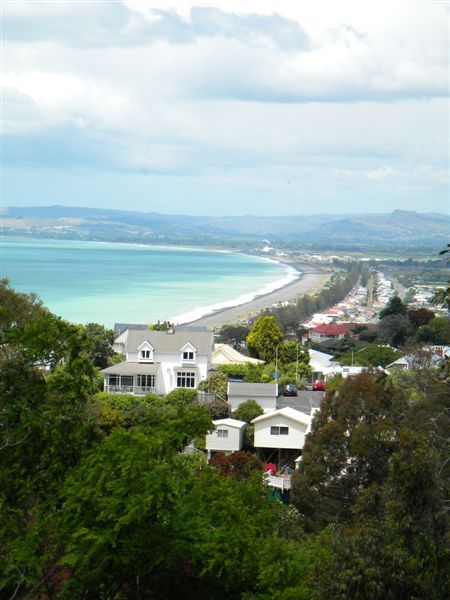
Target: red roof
point(331, 329)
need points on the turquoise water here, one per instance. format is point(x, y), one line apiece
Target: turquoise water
point(128, 283)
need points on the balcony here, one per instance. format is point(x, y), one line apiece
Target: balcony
point(130, 389)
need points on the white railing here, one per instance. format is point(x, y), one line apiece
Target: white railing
point(281, 483)
point(137, 390)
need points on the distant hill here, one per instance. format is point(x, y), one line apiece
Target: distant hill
point(402, 229)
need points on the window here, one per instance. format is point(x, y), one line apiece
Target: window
point(222, 433)
point(185, 379)
point(114, 380)
point(126, 380)
point(145, 355)
point(146, 380)
point(188, 355)
point(279, 430)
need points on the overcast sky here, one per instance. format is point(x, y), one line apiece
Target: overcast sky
point(225, 106)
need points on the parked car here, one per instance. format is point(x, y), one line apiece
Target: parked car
point(318, 385)
point(289, 390)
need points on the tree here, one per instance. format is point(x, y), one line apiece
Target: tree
point(264, 338)
point(46, 380)
point(216, 383)
point(420, 316)
point(395, 306)
point(247, 411)
point(436, 332)
point(395, 330)
point(235, 335)
point(102, 340)
point(373, 355)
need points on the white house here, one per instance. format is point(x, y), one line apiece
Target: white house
point(223, 354)
point(228, 436)
point(265, 394)
point(319, 362)
point(282, 429)
point(159, 361)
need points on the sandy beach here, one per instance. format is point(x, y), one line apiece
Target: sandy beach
point(310, 279)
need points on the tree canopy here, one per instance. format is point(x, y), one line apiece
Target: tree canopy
point(264, 338)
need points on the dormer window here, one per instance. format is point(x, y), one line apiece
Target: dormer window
point(188, 353)
point(145, 353)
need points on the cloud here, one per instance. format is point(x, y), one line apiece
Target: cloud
point(248, 94)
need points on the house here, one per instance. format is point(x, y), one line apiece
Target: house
point(223, 354)
point(228, 436)
point(265, 394)
point(159, 361)
point(319, 362)
point(283, 428)
point(426, 357)
point(331, 331)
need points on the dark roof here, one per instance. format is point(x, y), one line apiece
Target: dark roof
point(237, 388)
point(162, 341)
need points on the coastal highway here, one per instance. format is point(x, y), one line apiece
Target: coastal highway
point(310, 279)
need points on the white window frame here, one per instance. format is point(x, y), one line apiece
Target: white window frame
point(186, 380)
point(279, 430)
point(222, 433)
point(145, 353)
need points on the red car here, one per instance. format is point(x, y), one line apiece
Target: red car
point(319, 385)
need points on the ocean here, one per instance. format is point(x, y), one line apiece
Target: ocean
point(111, 283)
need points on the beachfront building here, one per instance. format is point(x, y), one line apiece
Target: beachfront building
point(159, 361)
point(265, 394)
point(225, 354)
point(227, 437)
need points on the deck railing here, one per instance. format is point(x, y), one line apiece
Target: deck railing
point(137, 390)
point(281, 483)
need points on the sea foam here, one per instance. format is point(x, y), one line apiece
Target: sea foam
point(292, 274)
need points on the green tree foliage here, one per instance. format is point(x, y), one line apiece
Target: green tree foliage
point(248, 372)
point(216, 383)
point(371, 355)
point(102, 339)
point(375, 471)
point(234, 335)
point(395, 306)
point(436, 332)
point(44, 426)
point(247, 411)
point(164, 326)
point(264, 338)
point(395, 330)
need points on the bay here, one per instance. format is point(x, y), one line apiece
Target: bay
point(130, 283)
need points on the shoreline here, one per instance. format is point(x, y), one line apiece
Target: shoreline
point(308, 280)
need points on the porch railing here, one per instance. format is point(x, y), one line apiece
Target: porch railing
point(137, 390)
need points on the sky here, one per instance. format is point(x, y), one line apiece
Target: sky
point(226, 107)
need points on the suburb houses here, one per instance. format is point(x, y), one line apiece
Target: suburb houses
point(159, 361)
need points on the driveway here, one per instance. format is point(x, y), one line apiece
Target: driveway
point(305, 400)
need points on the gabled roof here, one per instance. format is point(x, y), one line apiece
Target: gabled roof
point(231, 423)
point(288, 412)
point(233, 355)
point(162, 341)
point(239, 388)
point(319, 358)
